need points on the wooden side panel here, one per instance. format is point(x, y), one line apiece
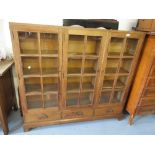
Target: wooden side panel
point(141, 76)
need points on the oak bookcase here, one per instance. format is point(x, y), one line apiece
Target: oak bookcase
point(73, 74)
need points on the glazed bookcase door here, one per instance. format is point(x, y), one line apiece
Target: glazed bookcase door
point(122, 53)
point(40, 58)
point(82, 58)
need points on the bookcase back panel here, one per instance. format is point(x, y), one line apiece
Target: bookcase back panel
point(51, 100)
point(115, 47)
point(49, 43)
point(34, 101)
point(28, 42)
point(30, 66)
point(32, 85)
point(50, 66)
point(131, 45)
point(76, 44)
point(93, 45)
point(50, 84)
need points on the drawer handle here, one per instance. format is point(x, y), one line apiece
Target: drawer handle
point(109, 110)
point(43, 116)
point(78, 113)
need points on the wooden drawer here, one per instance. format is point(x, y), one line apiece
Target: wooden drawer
point(147, 101)
point(42, 115)
point(76, 113)
point(149, 92)
point(108, 111)
point(145, 24)
point(150, 83)
point(146, 109)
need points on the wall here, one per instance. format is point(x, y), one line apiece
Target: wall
point(127, 24)
point(124, 24)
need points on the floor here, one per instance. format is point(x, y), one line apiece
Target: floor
point(144, 125)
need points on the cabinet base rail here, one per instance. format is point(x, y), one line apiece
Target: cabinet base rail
point(30, 125)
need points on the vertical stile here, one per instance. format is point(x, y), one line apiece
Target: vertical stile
point(99, 61)
point(60, 69)
point(103, 62)
point(82, 68)
point(40, 64)
point(65, 63)
point(19, 70)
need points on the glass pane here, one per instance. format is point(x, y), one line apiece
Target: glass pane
point(88, 83)
point(49, 66)
point(73, 83)
point(50, 84)
point(74, 66)
point(105, 97)
point(76, 45)
point(49, 43)
point(117, 97)
point(72, 99)
point(108, 82)
point(131, 45)
point(151, 82)
point(86, 98)
point(112, 66)
point(32, 85)
point(30, 66)
point(34, 101)
point(51, 100)
point(90, 66)
point(28, 42)
point(121, 82)
point(93, 45)
point(115, 46)
point(125, 65)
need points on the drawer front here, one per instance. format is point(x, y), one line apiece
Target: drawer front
point(149, 92)
point(145, 24)
point(108, 111)
point(150, 83)
point(42, 116)
point(147, 101)
point(74, 113)
point(146, 109)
